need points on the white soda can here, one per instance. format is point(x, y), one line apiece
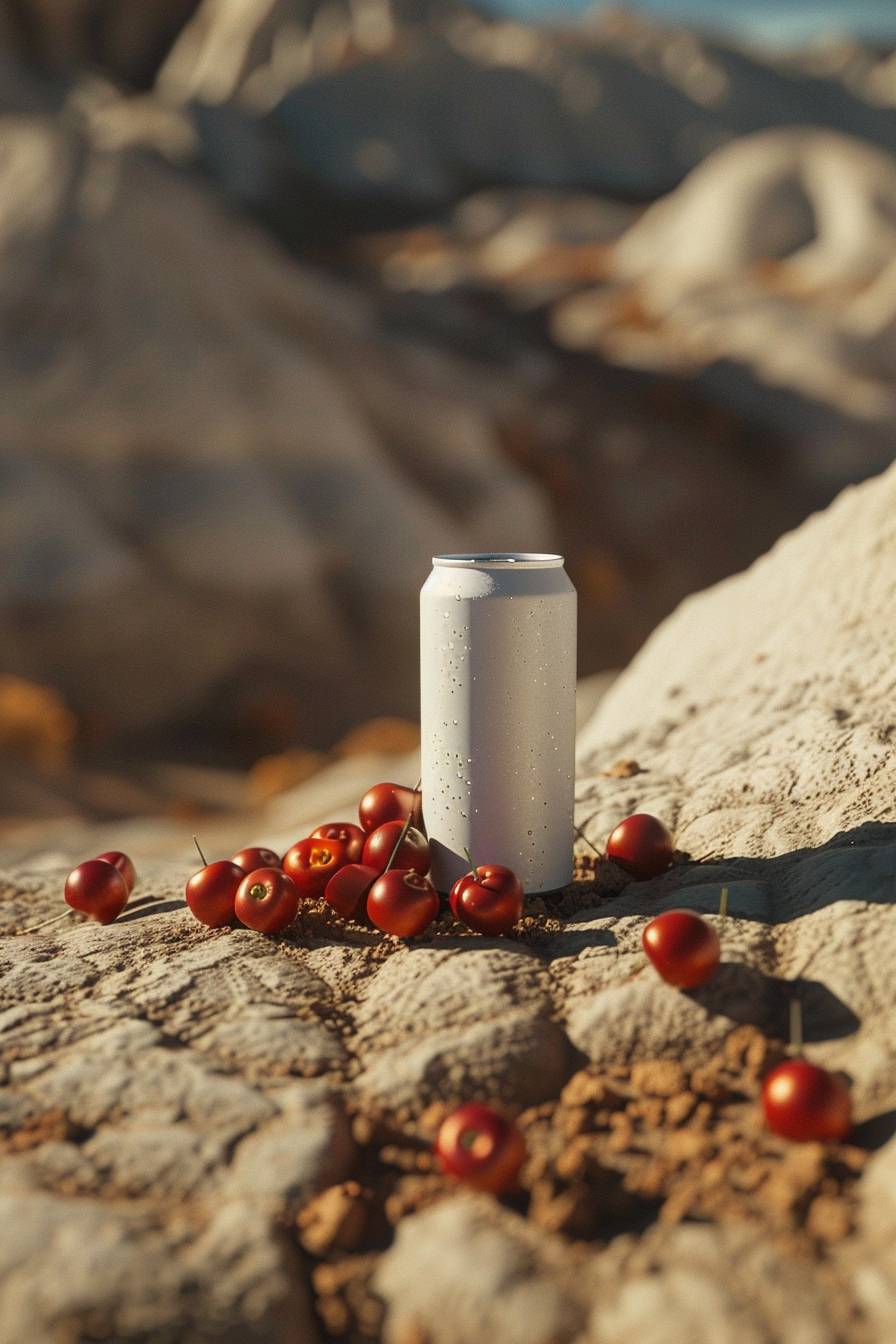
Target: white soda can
point(498, 695)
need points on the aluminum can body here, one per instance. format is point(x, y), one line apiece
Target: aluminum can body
point(498, 686)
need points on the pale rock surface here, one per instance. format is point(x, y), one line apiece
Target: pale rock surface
point(437, 1024)
point(465, 1270)
point(763, 709)
point(464, 1264)
point(775, 254)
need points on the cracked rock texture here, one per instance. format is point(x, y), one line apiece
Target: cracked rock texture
point(173, 1095)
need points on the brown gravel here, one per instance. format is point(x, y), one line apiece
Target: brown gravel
point(615, 1152)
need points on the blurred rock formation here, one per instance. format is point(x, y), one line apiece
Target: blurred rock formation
point(126, 38)
point(236, 420)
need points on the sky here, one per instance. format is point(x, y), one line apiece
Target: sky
point(776, 21)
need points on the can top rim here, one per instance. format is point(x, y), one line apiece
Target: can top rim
point(499, 560)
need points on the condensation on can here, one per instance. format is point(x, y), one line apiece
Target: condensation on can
point(497, 688)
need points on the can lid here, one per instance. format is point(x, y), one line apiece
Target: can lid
point(499, 560)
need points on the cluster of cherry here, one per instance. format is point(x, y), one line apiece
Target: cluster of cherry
point(377, 870)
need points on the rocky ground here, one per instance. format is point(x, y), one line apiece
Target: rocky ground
point(215, 1135)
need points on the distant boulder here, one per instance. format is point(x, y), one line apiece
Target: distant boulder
point(775, 255)
point(390, 110)
point(220, 484)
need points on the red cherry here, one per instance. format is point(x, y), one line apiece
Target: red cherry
point(683, 947)
point(413, 852)
point(479, 1146)
point(211, 892)
point(254, 857)
point(311, 863)
point(123, 864)
point(98, 889)
point(390, 802)
point(347, 888)
point(641, 845)
point(266, 900)
point(489, 900)
point(804, 1102)
point(402, 902)
point(351, 836)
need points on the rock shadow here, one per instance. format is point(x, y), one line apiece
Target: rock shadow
point(150, 907)
point(857, 865)
point(876, 1131)
point(748, 995)
point(575, 938)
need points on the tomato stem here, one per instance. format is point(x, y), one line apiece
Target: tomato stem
point(796, 1026)
point(201, 855)
point(471, 863)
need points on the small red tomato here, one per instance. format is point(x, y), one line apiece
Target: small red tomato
point(256, 856)
point(351, 836)
point(98, 889)
point(683, 947)
point(311, 863)
point(211, 892)
point(413, 852)
point(479, 1146)
point(266, 900)
point(641, 845)
point(347, 888)
point(804, 1102)
point(390, 802)
point(123, 864)
point(489, 900)
point(402, 902)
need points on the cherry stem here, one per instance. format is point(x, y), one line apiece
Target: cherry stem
point(582, 836)
point(201, 855)
point(796, 1026)
point(723, 904)
point(45, 924)
point(398, 843)
point(418, 795)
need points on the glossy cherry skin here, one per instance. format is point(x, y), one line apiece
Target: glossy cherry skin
point(351, 836)
point(266, 900)
point(479, 1146)
point(347, 889)
point(804, 1102)
point(413, 852)
point(489, 900)
point(402, 902)
point(98, 889)
point(684, 948)
point(256, 856)
point(311, 863)
point(390, 802)
point(641, 845)
point(212, 891)
point(124, 865)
